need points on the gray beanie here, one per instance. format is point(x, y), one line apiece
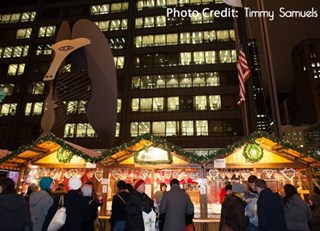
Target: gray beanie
point(238, 188)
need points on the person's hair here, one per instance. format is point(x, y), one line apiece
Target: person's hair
point(252, 179)
point(61, 185)
point(261, 184)
point(31, 188)
point(289, 191)
point(174, 181)
point(228, 187)
point(7, 185)
point(316, 190)
point(162, 184)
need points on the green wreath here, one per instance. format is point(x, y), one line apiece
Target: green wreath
point(252, 152)
point(64, 155)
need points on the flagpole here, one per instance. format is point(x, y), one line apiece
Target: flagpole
point(270, 72)
point(244, 104)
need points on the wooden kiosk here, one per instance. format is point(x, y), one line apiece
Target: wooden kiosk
point(276, 161)
point(54, 157)
point(155, 161)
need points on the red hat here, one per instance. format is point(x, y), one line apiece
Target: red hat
point(138, 183)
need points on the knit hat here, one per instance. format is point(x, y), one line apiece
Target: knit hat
point(121, 184)
point(138, 183)
point(238, 188)
point(74, 183)
point(45, 183)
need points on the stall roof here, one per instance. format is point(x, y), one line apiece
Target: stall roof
point(40, 148)
point(274, 145)
point(118, 154)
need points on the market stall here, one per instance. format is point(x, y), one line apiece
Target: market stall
point(51, 156)
point(276, 161)
point(155, 161)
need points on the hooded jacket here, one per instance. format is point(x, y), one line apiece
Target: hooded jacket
point(39, 202)
point(14, 212)
point(297, 213)
point(271, 211)
point(232, 213)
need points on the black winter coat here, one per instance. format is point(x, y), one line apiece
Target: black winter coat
point(271, 211)
point(118, 212)
point(136, 203)
point(92, 214)
point(232, 213)
point(77, 211)
point(14, 212)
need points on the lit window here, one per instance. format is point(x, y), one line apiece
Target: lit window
point(202, 127)
point(200, 102)
point(16, 69)
point(8, 109)
point(139, 128)
point(36, 88)
point(117, 129)
point(158, 128)
point(23, 33)
point(172, 128)
point(187, 128)
point(103, 25)
point(160, 20)
point(69, 130)
point(173, 103)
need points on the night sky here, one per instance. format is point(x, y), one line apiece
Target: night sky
point(284, 34)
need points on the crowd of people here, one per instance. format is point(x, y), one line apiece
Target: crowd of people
point(250, 206)
point(134, 210)
point(34, 210)
point(254, 207)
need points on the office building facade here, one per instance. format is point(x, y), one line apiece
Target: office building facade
point(176, 73)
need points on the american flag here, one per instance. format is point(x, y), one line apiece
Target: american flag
point(244, 74)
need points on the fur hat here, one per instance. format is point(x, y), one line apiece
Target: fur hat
point(74, 183)
point(138, 183)
point(238, 188)
point(45, 183)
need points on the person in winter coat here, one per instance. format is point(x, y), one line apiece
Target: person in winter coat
point(251, 198)
point(137, 202)
point(14, 211)
point(92, 199)
point(270, 209)
point(119, 204)
point(175, 204)
point(315, 202)
point(40, 203)
point(296, 211)
point(76, 206)
point(232, 211)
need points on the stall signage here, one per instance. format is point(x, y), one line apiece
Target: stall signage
point(153, 155)
point(219, 163)
point(90, 165)
point(202, 182)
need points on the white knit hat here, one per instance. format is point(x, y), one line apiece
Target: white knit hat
point(74, 183)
